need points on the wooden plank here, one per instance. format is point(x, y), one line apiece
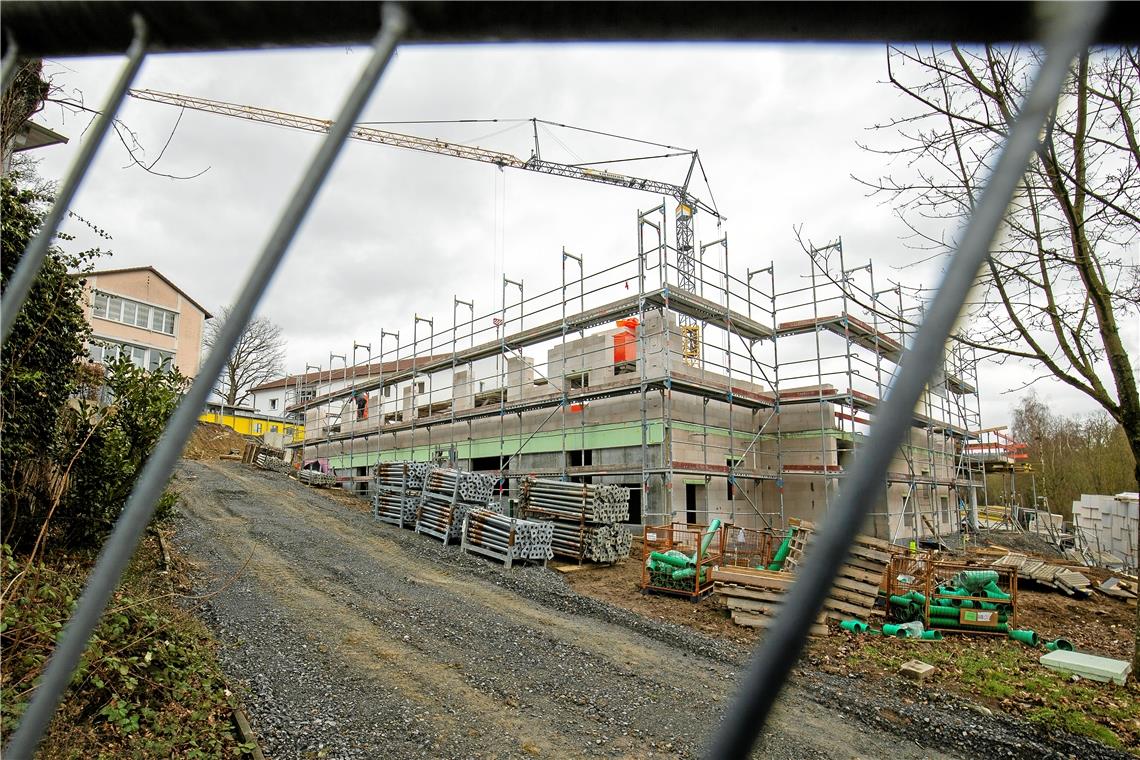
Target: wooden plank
point(863, 576)
point(761, 621)
point(866, 565)
point(750, 605)
point(874, 555)
point(849, 609)
point(863, 589)
point(743, 592)
point(754, 578)
point(862, 602)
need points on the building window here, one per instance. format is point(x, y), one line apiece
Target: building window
point(153, 359)
point(388, 391)
point(307, 394)
point(117, 309)
point(257, 427)
point(734, 491)
point(420, 387)
point(272, 428)
point(160, 360)
point(272, 404)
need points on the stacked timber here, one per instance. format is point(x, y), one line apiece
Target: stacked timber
point(396, 490)
point(268, 461)
point(447, 496)
point(586, 518)
point(861, 576)
point(754, 597)
point(506, 539)
point(1063, 579)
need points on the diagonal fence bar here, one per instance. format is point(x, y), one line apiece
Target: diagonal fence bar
point(1070, 33)
point(21, 283)
point(140, 506)
point(10, 65)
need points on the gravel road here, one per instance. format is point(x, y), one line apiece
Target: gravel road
point(353, 639)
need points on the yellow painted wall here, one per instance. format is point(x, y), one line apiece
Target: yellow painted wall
point(246, 424)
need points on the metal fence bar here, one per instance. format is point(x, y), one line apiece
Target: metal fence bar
point(21, 283)
point(140, 506)
point(1068, 35)
point(8, 67)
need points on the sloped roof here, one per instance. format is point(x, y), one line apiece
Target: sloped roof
point(158, 274)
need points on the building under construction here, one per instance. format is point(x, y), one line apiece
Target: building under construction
point(723, 398)
point(709, 391)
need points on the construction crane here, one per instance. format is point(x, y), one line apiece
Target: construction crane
point(687, 203)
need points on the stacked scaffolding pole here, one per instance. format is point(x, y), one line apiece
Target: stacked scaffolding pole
point(506, 539)
point(447, 496)
point(396, 489)
point(585, 519)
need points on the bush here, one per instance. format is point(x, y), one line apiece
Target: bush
point(37, 369)
point(113, 443)
point(148, 684)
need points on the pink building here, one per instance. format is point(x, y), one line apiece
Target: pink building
point(139, 312)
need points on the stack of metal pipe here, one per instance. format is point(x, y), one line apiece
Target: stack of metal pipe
point(316, 478)
point(609, 542)
point(585, 517)
point(269, 462)
point(447, 497)
point(396, 491)
point(506, 539)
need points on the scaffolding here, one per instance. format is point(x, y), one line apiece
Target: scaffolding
point(725, 399)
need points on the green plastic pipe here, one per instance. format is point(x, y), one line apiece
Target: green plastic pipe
point(916, 597)
point(1063, 644)
point(676, 560)
point(1025, 636)
point(714, 526)
point(941, 622)
point(992, 591)
point(777, 563)
point(953, 623)
point(889, 629)
point(937, 610)
point(976, 579)
point(854, 626)
point(931, 636)
point(683, 573)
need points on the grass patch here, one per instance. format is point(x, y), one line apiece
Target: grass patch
point(147, 686)
point(1008, 676)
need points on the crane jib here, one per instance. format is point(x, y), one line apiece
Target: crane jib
point(428, 145)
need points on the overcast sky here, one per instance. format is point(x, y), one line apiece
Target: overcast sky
point(396, 233)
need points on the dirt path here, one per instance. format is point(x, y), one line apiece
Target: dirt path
point(357, 639)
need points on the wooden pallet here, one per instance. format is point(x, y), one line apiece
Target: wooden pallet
point(755, 602)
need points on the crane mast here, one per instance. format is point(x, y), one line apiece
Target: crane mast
point(687, 204)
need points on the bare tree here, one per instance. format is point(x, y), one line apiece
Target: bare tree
point(258, 357)
point(1064, 275)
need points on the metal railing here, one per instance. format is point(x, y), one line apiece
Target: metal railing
point(53, 28)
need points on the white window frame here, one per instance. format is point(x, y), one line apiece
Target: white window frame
point(134, 313)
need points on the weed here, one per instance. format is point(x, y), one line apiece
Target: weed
point(148, 684)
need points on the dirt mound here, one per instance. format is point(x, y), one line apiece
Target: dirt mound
point(210, 440)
